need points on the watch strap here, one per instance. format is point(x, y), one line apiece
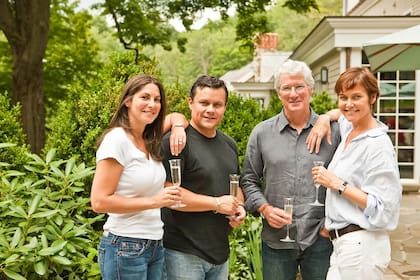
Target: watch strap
point(342, 188)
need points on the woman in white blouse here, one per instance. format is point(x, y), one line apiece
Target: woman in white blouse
point(364, 189)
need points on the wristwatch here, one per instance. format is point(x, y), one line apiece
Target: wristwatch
point(342, 188)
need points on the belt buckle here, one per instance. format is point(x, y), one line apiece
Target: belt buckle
point(336, 234)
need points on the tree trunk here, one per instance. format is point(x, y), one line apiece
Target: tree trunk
point(28, 90)
point(26, 25)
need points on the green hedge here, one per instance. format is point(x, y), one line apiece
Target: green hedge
point(11, 131)
point(45, 228)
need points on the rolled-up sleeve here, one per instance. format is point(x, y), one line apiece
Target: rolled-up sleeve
point(384, 189)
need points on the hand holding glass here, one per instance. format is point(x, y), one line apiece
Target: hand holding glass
point(233, 186)
point(288, 209)
point(316, 202)
point(175, 165)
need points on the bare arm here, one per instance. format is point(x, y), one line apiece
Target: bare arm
point(176, 122)
point(321, 128)
point(331, 181)
point(225, 204)
point(105, 200)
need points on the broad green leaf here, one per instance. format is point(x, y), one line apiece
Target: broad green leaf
point(37, 159)
point(67, 227)
point(16, 238)
point(61, 260)
point(53, 249)
point(44, 241)
point(34, 204)
point(53, 229)
point(71, 248)
point(53, 180)
point(13, 275)
point(11, 259)
point(5, 145)
point(59, 219)
point(57, 171)
point(11, 173)
point(40, 268)
point(50, 155)
point(44, 214)
point(3, 241)
point(35, 228)
point(18, 210)
point(39, 182)
point(33, 169)
point(33, 243)
point(69, 166)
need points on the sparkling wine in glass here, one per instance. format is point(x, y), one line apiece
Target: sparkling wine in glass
point(175, 165)
point(233, 187)
point(234, 184)
point(288, 209)
point(316, 202)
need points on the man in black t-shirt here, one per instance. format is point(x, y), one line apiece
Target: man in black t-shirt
point(196, 236)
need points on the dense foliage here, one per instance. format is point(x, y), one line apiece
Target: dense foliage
point(72, 53)
point(45, 228)
point(11, 132)
point(80, 120)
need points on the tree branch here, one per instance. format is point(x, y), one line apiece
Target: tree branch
point(127, 45)
point(7, 23)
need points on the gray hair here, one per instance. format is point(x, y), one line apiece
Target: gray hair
point(294, 67)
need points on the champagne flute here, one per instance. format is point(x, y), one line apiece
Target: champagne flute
point(316, 202)
point(288, 209)
point(233, 187)
point(175, 165)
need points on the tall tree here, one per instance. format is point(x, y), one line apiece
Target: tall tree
point(146, 22)
point(25, 24)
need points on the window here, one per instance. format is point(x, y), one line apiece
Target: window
point(396, 108)
point(260, 100)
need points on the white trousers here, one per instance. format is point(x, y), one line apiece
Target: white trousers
point(360, 255)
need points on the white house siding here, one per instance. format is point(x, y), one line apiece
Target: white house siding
point(385, 8)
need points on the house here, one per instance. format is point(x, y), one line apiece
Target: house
point(335, 44)
point(256, 79)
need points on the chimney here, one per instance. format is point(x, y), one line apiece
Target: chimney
point(266, 42)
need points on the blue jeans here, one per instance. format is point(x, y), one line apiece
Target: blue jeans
point(129, 258)
point(283, 264)
point(181, 266)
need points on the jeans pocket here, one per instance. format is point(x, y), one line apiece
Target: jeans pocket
point(132, 248)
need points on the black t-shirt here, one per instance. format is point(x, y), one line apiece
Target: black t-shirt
point(206, 164)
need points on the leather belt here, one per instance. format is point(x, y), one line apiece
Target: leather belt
point(339, 232)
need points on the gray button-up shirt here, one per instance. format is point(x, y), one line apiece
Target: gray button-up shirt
point(277, 165)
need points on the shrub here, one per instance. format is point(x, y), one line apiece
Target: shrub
point(11, 131)
point(80, 119)
point(322, 102)
point(44, 231)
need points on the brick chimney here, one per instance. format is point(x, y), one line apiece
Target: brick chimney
point(266, 42)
